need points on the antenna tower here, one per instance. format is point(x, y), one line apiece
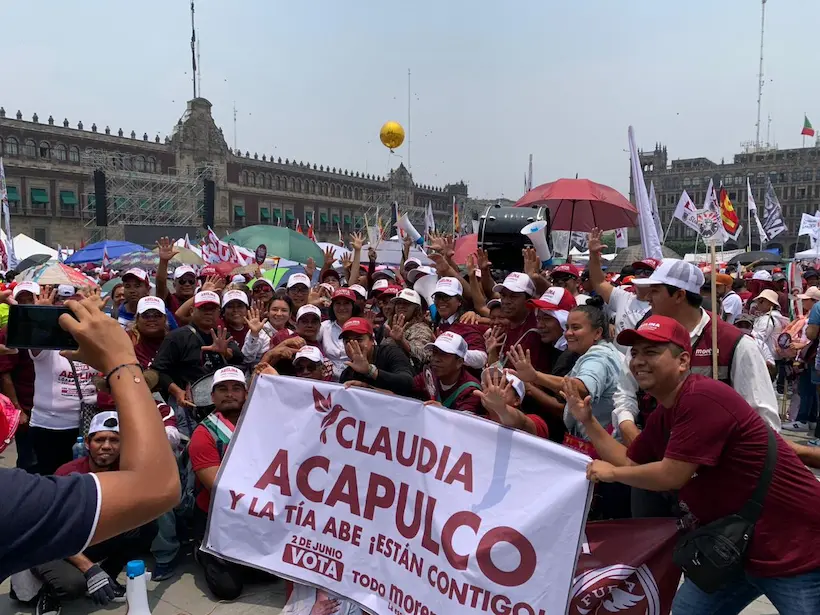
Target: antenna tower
point(193, 48)
point(760, 72)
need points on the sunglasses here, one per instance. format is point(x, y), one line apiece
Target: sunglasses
point(186, 281)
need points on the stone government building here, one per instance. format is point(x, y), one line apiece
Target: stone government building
point(49, 167)
point(794, 173)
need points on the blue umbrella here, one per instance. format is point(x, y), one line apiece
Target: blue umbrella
point(93, 253)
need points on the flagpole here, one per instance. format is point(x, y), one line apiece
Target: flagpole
point(715, 312)
point(667, 228)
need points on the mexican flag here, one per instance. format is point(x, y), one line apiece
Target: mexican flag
point(807, 131)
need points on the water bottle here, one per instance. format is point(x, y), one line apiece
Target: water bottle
point(136, 588)
point(78, 450)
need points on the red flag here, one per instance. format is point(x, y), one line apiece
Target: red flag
point(626, 567)
point(82, 243)
point(311, 235)
point(299, 227)
point(456, 227)
point(105, 261)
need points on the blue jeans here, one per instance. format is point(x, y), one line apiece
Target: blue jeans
point(808, 398)
point(798, 595)
point(165, 546)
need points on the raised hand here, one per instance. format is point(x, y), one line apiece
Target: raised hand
point(358, 361)
point(211, 283)
point(310, 267)
point(347, 263)
point(471, 264)
point(494, 339)
point(220, 344)
point(580, 408)
point(356, 241)
point(372, 254)
point(470, 318)
point(442, 267)
point(483, 259)
point(265, 368)
point(437, 242)
point(255, 321)
point(449, 246)
point(532, 265)
point(397, 327)
point(330, 257)
point(166, 249)
point(47, 296)
point(596, 246)
point(494, 387)
point(522, 363)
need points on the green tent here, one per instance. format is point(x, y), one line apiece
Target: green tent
point(279, 241)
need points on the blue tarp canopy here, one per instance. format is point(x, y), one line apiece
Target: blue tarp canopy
point(93, 253)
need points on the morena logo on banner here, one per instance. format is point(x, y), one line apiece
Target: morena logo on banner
point(618, 589)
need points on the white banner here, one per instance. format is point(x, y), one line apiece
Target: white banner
point(656, 216)
point(214, 250)
point(773, 222)
point(621, 238)
point(650, 240)
point(709, 220)
point(809, 225)
point(686, 212)
point(400, 507)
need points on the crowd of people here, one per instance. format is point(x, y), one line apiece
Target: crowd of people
point(618, 365)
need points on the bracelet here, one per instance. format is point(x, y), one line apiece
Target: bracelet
point(137, 379)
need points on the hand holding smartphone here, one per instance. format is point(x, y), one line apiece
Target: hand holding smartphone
point(37, 327)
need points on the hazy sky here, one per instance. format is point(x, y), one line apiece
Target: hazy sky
point(491, 81)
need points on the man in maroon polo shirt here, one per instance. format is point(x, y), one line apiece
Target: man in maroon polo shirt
point(448, 382)
point(516, 290)
point(706, 441)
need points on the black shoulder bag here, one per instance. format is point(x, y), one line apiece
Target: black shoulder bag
point(713, 556)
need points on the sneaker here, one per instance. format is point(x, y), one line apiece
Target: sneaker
point(119, 591)
point(796, 426)
point(47, 604)
point(814, 442)
point(164, 571)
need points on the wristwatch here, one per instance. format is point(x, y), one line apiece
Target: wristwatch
point(371, 371)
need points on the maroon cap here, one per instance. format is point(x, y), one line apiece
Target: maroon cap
point(392, 289)
point(344, 293)
point(657, 329)
point(207, 270)
point(568, 268)
point(362, 326)
point(647, 263)
point(555, 298)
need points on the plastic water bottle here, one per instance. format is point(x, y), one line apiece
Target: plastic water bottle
point(78, 450)
point(136, 588)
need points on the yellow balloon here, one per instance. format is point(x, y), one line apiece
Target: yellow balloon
point(391, 135)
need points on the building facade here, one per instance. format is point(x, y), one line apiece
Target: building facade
point(794, 174)
point(49, 174)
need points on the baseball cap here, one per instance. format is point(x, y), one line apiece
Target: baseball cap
point(359, 290)
point(238, 279)
point(298, 278)
point(812, 292)
point(408, 294)
point(451, 343)
point(228, 374)
point(746, 319)
point(311, 353)
point(147, 304)
point(344, 293)
point(449, 286)
point(379, 286)
point(810, 273)
point(647, 263)
point(566, 269)
point(361, 326)
point(778, 277)
point(330, 272)
point(138, 273)
point(26, 287)
point(764, 275)
point(204, 297)
point(516, 383)
point(182, 270)
point(208, 270)
point(66, 290)
point(260, 281)
point(555, 298)
point(234, 295)
point(674, 272)
point(723, 279)
point(387, 273)
point(308, 309)
point(769, 295)
point(492, 303)
point(392, 289)
point(657, 329)
point(521, 283)
point(418, 272)
point(412, 261)
point(108, 420)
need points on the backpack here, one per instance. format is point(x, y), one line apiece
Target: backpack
point(187, 477)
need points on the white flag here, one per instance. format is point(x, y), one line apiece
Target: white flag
point(753, 211)
point(686, 212)
point(650, 240)
point(656, 216)
point(560, 243)
point(709, 221)
point(429, 220)
point(621, 238)
point(809, 225)
point(772, 213)
point(579, 240)
point(60, 257)
point(4, 198)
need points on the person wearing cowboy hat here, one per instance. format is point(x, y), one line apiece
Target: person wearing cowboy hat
point(769, 324)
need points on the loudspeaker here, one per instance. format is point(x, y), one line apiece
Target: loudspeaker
point(100, 198)
point(410, 230)
point(208, 208)
point(536, 233)
point(499, 233)
point(425, 286)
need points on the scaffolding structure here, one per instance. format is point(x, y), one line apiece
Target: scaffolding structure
point(135, 197)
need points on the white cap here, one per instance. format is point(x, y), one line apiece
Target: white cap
point(137, 273)
point(26, 287)
point(108, 420)
point(182, 270)
point(234, 295)
point(238, 279)
point(674, 272)
point(298, 278)
point(311, 353)
point(308, 309)
point(517, 283)
point(228, 374)
point(359, 290)
point(265, 281)
point(769, 295)
point(762, 275)
point(449, 286)
point(451, 343)
point(517, 384)
point(66, 290)
point(415, 274)
point(380, 285)
point(150, 303)
point(206, 296)
point(412, 260)
point(408, 294)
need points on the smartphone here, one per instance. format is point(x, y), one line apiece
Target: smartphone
point(37, 327)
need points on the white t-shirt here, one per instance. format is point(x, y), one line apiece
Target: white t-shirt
point(330, 339)
point(732, 306)
point(56, 403)
point(628, 311)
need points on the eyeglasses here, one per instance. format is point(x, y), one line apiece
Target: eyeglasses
point(262, 288)
point(642, 273)
point(186, 281)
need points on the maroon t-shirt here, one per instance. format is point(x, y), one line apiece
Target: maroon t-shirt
point(465, 400)
point(21, 368)
point(529, 339)
point(173, 303)
point(239, 335)
point(81, 465)
point(712, 426)
point(146, 349)
point(472, 334)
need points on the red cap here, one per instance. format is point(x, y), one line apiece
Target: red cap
point(344, 293)
point(657, 329)
point(206, 271)
point(362, 326)
point(555, 298)
point(647, 263)
point(392, 289)
point(568, 268)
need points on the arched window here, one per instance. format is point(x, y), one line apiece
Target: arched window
point(312, 187)
point(60, 152)
point(268, 181)
point(74, 153)
point(290, 184)
point(11, 147)
point(151, 165)
point(280, 183)
point(30, 148)
point(260, 180)
point(139, 163)
point(45, 150)
point(243, 179)
point(298, 185)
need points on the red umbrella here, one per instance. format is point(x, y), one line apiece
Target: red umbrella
point(465, 245)
point(581, 205)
